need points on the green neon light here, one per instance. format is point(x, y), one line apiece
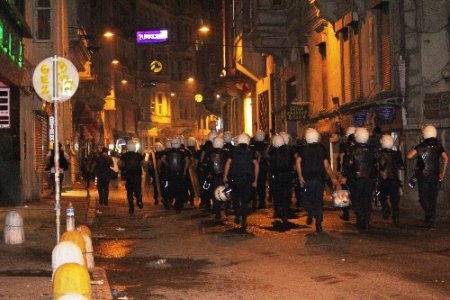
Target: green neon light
point(12, 45)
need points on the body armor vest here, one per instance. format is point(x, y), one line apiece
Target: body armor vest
point(389, 163)
point(363, 161)
point(428, 157)
point(260, 148)
point(218, 161)
point(175, 161)
point(242, 162)
point(281, 161)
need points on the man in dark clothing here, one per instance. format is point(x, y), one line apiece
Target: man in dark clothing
point(312, 166)
point(281, 167)
point(176, 162)
point(205, 185)
point(215, 161)
point(429, 155)
point(102, 171)
point(130, 164)
point(343, 165)
point(242, 169)
point(260, 148)
point(363, 173)
point(389, 162)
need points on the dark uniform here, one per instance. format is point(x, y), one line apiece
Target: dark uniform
point(242, 175)
point(281, 176)
point(260, 148)
point(429, 154)
point(344, 168)
point(363, 173)
point(215, 169)
point(202, 167)
point(389, 163)
point(176, 163)
point(313, 171)
point(130, 166)
point(102, 171)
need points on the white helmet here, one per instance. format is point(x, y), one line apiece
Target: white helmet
point(131, 146)
point(176, 143)
point(387, 142)
point(169, 144)
point(429, 131)
point(286, 137)
point(312, 136)
point(341, 198)
point(222, 193)
point(260, 136)
point(351, 130)
point(218, 142)
point(192, 142)
point(243, 138)
point(159, 147)
point(212, 135)
point(181, 137)
point(227, 137)
point(277, 141)
point(361, 135)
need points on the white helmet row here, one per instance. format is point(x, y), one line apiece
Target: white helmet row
point(387, 142)
point(227, 136)
point(277, 141)
point(361, 135)
point(429, 131)
point(212, 135)
point(192, 142)
point(243, 138)
point(286, 137)
point(260, 136)
point(218, 142)
point(312, 136)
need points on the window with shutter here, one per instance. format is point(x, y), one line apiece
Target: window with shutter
point(385, 48)
point(356, 64)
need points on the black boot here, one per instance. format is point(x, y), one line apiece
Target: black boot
point(319, 227)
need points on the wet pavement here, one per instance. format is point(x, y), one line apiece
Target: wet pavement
point(158, 254)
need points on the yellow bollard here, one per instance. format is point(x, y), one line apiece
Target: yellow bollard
point(89, 252)
point(71, 279)
point(66, 252)
point(76, 238)
point(83, 229)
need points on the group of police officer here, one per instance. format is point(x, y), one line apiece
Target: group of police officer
point(249, 166)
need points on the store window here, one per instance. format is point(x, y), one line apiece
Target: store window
point(42, 20)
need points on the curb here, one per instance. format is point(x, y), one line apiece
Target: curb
point(101, 290)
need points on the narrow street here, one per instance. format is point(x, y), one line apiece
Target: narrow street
point(158, 254)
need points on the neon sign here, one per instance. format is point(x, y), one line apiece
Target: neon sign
point(152, 36)
point(11, 44)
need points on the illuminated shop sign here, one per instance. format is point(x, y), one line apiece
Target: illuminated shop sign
point(152, 36)
point(11, 44)
point(4, 108)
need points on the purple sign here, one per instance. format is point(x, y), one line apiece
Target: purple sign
point(152, 36)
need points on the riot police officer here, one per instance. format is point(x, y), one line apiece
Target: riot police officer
point(362, 165)
point(202, 166)
point(281, 167)
point(176, 163)
point(215, 161)
point(312, 165)
point(242, 171)
point(429, 153)
point(343, 166)
point(260, 147)
point(130, 164)
point(389, 163)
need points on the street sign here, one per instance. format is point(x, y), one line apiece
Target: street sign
point(156, 66)
point(55, 78)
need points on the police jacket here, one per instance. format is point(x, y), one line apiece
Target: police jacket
point(428, 156)
point(362, 161)
point(389, 163)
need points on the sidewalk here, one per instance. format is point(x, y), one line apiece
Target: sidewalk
point(26, 268)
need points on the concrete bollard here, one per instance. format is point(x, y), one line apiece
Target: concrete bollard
point(89, 252)
point(13, 232)
point(71, 279)
point(86, 233)
point(83, 229)
point(66, 252)
point(76, 238)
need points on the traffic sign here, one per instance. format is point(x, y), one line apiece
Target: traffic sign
point(156, 66)
point(55, 79)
